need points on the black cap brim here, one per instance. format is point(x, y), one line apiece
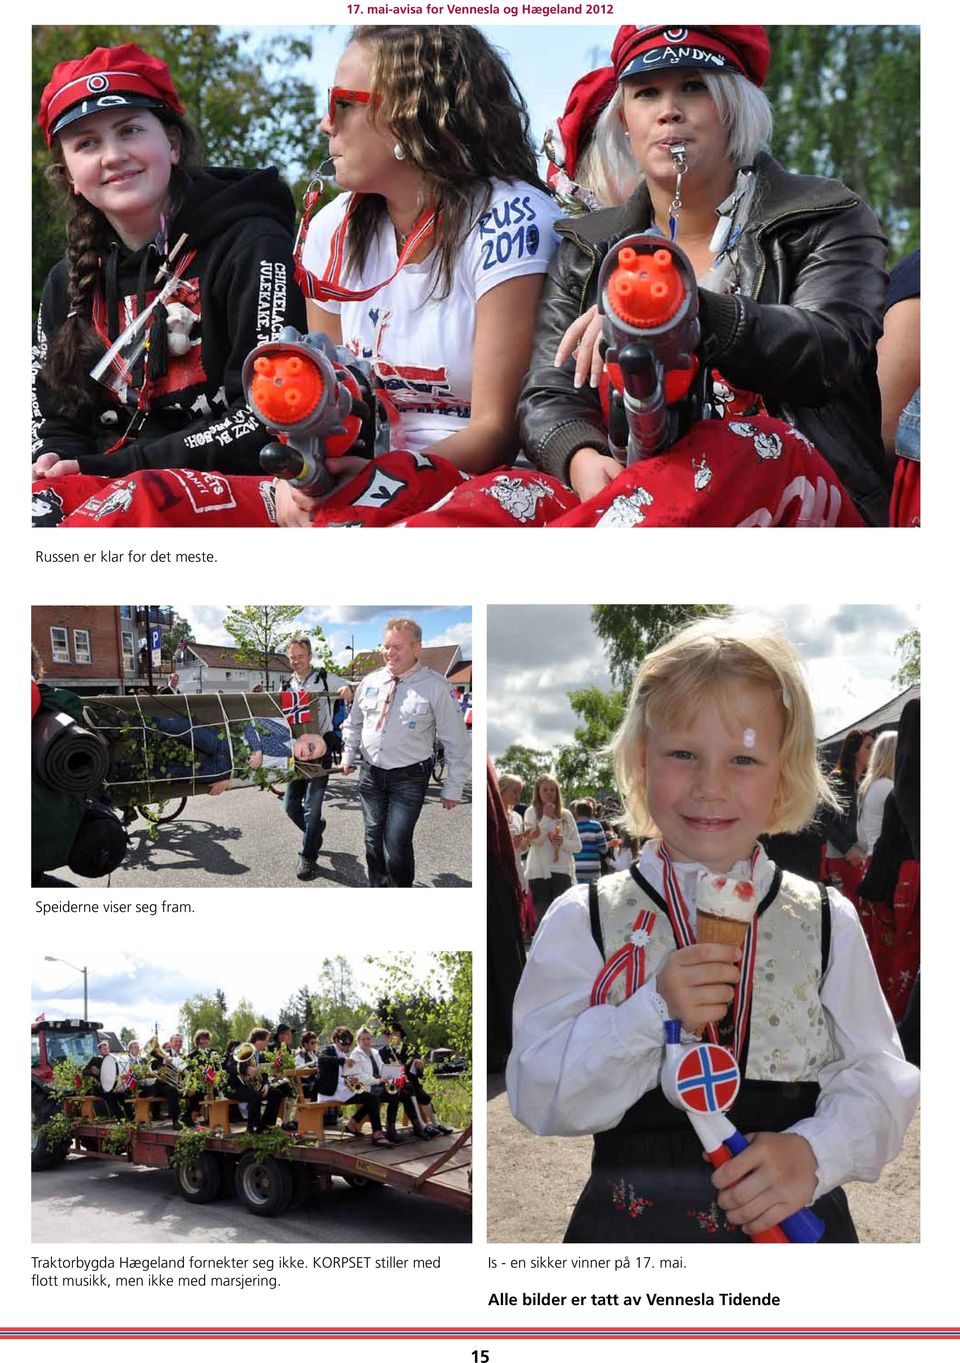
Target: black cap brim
point(98, 104)
point(665, 58)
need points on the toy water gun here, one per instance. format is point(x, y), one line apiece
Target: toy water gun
point(317, 398)
point(648, 301)
point(703, 1081)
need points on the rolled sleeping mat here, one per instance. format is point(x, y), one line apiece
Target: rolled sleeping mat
point(66, 756)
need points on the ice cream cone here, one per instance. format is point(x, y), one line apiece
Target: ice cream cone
point(725, 931)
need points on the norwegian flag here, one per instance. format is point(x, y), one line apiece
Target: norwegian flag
point(708, 1078)
point(295, 706)
point(210, 1075)
point(130, 1080)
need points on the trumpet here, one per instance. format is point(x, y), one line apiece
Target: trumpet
point(390, 1083)
point(356, 1083)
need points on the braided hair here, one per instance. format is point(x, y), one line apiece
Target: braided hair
point(75, 347)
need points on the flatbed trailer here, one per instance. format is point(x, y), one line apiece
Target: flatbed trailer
point(439, 1169)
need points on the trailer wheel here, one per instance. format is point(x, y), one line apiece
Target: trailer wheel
point(201, 1181)
point(45, 1154)
point(264, 1186)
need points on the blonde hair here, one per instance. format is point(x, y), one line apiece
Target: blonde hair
point(404, 622)
point(608, 167)
point(507, 780)
point(881, 763)
point(697, 662)
point(538, 803)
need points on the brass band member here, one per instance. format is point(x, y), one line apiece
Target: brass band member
point(401, 1097)
point(335, 1063)
point(413, 1068)
point(204, 1054)
point(248, 1082)
point(307, 1056)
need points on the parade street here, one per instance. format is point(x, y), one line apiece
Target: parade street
point(109, 1201)
point(243, 838)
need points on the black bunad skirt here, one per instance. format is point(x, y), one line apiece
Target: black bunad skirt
point(649, 1182)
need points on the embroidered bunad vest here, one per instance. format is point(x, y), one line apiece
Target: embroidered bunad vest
point(789, 1040)
point(648, 1181)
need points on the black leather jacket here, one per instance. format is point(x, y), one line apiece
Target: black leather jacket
point(811, 244)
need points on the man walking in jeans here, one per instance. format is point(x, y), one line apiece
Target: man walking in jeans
point(396, 715)
point(303, 800)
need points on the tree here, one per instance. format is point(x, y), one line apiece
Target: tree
point(846, 101)
point(434, 1011)
point(171, 639)
point(629, 633)
point(241, 1020)
point(322, 655)
point(527, 763)
point(584, 767)
point(241, 93)
point(259, 632)
point(210, 1013)
point(908, 645)
point(127, 1034)
point(300, 1010)
point(338, 1002)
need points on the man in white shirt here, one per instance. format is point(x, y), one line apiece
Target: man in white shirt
point(303, 800)
point(397, 714)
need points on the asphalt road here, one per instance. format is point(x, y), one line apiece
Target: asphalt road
point(97, 1201)
point(243, 838)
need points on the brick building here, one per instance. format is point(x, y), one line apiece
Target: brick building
point(81, 648)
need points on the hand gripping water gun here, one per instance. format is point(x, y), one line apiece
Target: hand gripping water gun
point(648, 301)
point(703, 1081)
point(316, 397)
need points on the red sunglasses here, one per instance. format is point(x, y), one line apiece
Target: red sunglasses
point(337, 94)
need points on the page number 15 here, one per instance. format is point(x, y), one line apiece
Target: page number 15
point(481, 1356)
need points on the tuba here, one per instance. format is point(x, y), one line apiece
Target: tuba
point(162, 1069)
point(242, 1056)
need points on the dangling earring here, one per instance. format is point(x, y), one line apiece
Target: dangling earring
point(398, 153)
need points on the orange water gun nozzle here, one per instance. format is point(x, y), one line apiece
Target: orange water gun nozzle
point(309, 394)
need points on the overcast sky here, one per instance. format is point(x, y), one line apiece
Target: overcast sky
point(537, 654)
point(340, 624)
point(138, 989)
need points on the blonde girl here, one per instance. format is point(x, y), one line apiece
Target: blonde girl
point(718, 746)
point(553, 839)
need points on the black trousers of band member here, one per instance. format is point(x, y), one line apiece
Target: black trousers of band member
point(261, 1112)
point(368, 1107)
point(405, 1100)
point(391, 801)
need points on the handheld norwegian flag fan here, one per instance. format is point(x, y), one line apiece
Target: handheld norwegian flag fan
point(703, 1081)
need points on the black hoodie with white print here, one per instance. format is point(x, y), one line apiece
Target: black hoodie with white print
point(238, 290)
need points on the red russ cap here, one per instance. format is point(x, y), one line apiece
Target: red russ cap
point(730, 47)
point(106, 78)
point(586, 102)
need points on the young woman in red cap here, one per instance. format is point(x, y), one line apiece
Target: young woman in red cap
point(145, 220)
point(791, 286)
